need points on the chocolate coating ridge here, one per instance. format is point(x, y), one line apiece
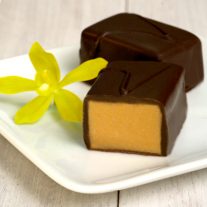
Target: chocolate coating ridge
point(133, 37)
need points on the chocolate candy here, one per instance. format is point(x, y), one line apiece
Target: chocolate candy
point(135, 107)
point(133, 37)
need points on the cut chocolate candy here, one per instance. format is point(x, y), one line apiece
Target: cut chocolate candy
point(136, 107)
point(133, 37)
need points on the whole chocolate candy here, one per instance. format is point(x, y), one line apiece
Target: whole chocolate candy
point(133, 37)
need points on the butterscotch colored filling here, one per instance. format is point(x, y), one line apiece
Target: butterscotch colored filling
point(122, 126)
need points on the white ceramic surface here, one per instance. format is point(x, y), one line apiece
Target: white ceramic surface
point(57, 147)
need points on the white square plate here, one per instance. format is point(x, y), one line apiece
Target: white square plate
point(58, 149)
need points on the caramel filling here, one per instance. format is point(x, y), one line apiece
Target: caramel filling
point(132, 127)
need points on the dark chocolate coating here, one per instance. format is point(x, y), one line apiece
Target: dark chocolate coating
point(140, 82)
point(133, 37)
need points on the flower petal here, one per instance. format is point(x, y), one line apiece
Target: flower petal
point(33, 110)
point(86, 71)
point(69, 105)
point(15, 84)
point(43, 61)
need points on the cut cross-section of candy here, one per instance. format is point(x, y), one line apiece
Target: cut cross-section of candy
point(135, 107)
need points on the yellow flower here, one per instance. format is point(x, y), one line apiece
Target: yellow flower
point(49, 87)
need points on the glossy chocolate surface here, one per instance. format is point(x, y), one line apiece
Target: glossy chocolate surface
point(133, 37)
point(139, 82)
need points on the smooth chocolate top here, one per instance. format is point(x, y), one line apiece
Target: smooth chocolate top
point(122, 79)
point(153, 38)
